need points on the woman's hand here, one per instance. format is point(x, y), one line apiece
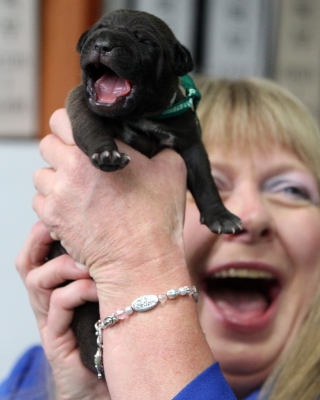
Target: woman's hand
point(116, 223)
point(127, 228)
point(53, 308)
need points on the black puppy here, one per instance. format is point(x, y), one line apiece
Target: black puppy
point(131, 63)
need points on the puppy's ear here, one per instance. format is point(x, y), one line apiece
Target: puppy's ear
point(183, 60)
point(81, 41)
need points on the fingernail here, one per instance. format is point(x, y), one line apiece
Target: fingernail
point(80, 266)
point(54, 236)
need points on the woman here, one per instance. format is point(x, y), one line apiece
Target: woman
point(256, 287)
point(264, 151)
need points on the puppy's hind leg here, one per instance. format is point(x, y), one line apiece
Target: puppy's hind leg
point(205, 193)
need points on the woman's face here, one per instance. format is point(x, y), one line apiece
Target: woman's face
point(256, 286)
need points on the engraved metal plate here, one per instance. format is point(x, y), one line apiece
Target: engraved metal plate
point(145, 303)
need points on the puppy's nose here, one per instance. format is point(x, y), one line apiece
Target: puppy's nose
point(103, 46)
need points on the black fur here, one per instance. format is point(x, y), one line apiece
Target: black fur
point(141, 50)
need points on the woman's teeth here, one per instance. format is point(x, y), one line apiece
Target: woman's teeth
point(242, 273)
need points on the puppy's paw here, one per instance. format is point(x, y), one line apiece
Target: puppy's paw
point(220, 220)
point(109, 160)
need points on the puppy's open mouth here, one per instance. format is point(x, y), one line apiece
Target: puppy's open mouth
point(243, 296)
point(104, 85)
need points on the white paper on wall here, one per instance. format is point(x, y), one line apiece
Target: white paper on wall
point(18, 67)
point(298, 55)
point(237, 37)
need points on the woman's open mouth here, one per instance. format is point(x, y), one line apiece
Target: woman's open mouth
point(244, 298)
point(104, 85)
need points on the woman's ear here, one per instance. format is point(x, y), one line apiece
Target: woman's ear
point(183, 60)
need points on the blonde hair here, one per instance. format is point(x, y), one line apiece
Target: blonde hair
point(298, 375)
point(256, 114)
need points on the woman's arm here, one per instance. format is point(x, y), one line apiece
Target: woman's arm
point(126, 227)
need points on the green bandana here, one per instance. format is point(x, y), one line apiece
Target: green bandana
point(191, 100)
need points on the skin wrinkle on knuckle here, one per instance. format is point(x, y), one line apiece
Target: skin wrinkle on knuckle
point(42, 144)
point(57, 204)
point(75, 160)
point(41, 182)
point(38, 202)
point(60, 124)
point(63, 268)
point(64, 296)
point(50, 215)
point(36, 262)
point(36, 177)
point(32, 281)
point(55, 119)
point(58, 298)
point(46, 143)
point(70, 296)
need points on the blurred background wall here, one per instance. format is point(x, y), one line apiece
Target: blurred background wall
point(278, 39)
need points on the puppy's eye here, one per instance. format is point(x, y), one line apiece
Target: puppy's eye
point(142, 38)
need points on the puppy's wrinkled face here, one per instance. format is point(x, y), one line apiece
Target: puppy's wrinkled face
point(131, 62)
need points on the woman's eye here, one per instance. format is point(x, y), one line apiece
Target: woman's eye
point(289, 190)
point(219, 183)
point(293, 191)
point(296, 192)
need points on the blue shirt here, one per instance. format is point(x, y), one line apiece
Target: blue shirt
point(31, 379)
point(210, 385)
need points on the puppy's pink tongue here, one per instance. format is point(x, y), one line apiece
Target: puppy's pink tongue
point(241, 306)
point(110, 86)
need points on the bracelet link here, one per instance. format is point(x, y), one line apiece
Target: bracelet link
point(98, 363)
point(110, 320)
point(98, 360)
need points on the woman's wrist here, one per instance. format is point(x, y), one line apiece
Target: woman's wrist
point(166, 338)
point(118, 287)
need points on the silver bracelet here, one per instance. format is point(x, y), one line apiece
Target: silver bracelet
point(141, 304)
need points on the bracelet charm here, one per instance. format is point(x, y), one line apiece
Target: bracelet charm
point(145, 303)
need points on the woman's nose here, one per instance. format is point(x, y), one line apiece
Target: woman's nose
point(249, 205)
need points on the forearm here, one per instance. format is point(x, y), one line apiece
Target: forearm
point(156, 353)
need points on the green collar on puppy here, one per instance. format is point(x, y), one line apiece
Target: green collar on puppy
point(191, 100)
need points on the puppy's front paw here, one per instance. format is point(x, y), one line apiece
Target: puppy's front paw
point(110, 160)
point(220, 220)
